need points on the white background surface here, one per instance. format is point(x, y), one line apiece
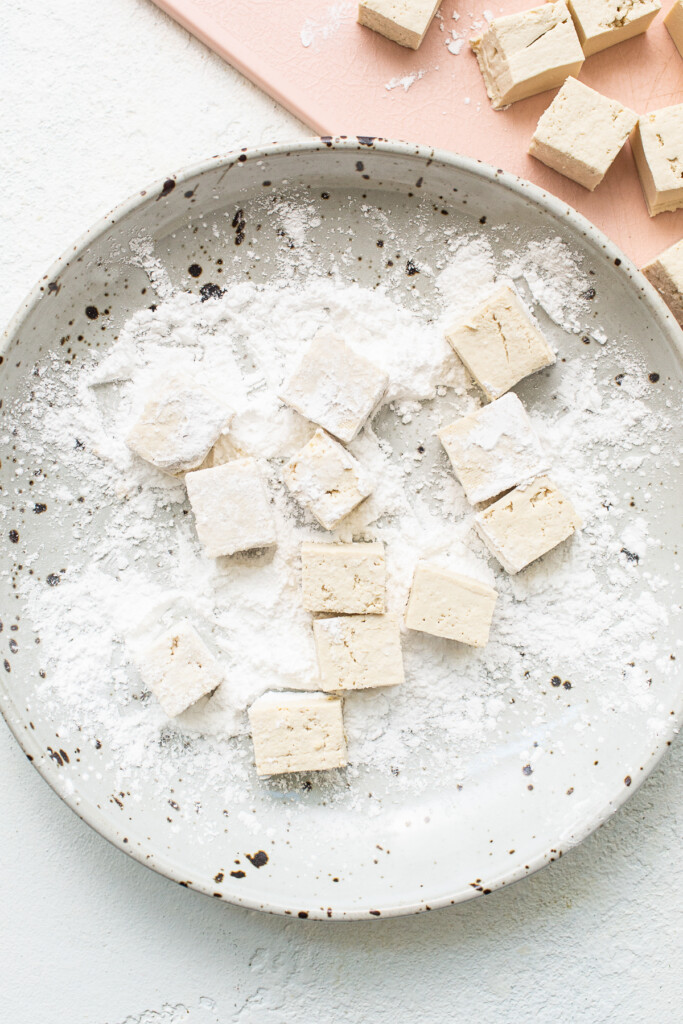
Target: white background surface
point(97, 99)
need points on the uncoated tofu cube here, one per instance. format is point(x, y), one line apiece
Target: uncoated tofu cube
point(527, 523)
point(179, 669)
point(494, 449)
point(231, 508)
point(674, 23)
point(666, 274)
point(602, 23)
point(334, 387)
point(657, 144)
point(581, 133)
point(523, 54)
point(326, 479)
point(403, 21)
point(444, 603)
point(499, 344)
point(179, 424)
point(358, 651)
point(343, 578)
point(297, 732)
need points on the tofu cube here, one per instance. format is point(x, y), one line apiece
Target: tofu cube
point(602, 23)
point(666, 274)
point(297, 732)
point(494, 449)
point(499, 344)
point(657, 144)
point(523, 54)
point(343, 578)
point(403, 21)
point(179, 669)
point(231, 508)
point(527, 523)
point(326, 479)
point(674, 23)
point(178, 426)
point(444, 603)
point(356, 652)
point(581, 133)
point(334, 387)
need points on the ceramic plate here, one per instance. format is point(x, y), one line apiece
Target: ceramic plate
point(417, 850)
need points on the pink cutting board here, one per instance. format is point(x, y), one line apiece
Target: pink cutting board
point(342, 79)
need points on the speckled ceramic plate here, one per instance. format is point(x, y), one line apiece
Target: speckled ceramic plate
point(413, 854)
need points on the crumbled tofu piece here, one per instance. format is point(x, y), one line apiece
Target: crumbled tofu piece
point(179, 669)
point(674, 23)
point(297, 732)
point(343, 578)
point(499, 344)
point(657, 144)
point(602, 23)
point(581, 133)
point(231, 508)
point(326, 479)
point(666, 274)
point(444, 603)
point(494, 449)
point(334, 387)
point(523, 54)
point(527, 523)
point(403, 21)
point(356, 652)
point(179, 424)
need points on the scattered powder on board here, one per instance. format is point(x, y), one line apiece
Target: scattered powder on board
point(142, 568)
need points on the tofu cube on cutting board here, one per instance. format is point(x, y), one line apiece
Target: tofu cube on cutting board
point(666, 274)
point(179, 669)
point(674, 23)
point(356, 652)
point(581, 133)
point(499, 344)
point(603, 23)
point(334, 387)
point(326, 479)
point(231, 508)
point(523, 54)
point(527, 523)
point(657, 144)
point(297, 732)
point(494, 449)
point(447, 604)
point(343, 578)
point(403, 21)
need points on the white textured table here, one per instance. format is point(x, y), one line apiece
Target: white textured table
point(99, 98)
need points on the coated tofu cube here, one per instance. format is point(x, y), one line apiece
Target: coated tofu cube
point(326, 479)
point(494, 449)
point(581, 133)
point(666, 274)
point(297, 732)
point(444, 603)
point(334, 387)
point(179, 424)
point(674, 23)
point(231, 508)
point(343, 578)
point(657, 144)
point(403, 21)
point(356, 652)
point(499, 344)
point(602, 23)
point(523, 54)
point(179, 669)
point(527, 523)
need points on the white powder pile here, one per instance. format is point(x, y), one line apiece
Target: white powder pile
point(140, 567)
